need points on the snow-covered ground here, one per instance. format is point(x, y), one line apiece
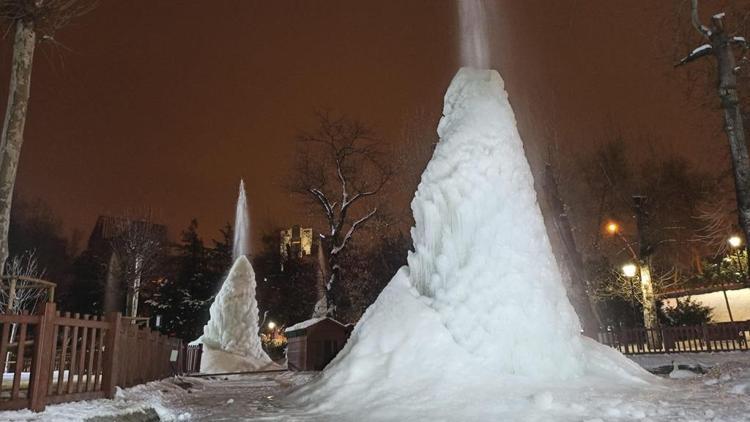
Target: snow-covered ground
point(722, 393)
point(155, 395)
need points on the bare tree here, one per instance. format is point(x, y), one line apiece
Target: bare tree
point(722, 46)
point(339, 169)
point(718, 223)
point(33, 21)
point(614, 225)
point(137, 250)
point(24, 292)
point(613, 284)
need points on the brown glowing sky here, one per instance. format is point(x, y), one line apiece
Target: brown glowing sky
point(166, 104)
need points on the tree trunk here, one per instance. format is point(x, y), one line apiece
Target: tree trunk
point(11, 139)
point(650, 315)
point(134, 289)
point(733, 125)
point(577, 293)
point(324, 274)
point(332, 270)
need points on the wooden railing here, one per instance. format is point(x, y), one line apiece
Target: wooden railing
point(718, 337)
point(60, 358)
point(13, 286)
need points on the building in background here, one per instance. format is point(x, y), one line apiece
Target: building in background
point(295, 243)
point(727, 303)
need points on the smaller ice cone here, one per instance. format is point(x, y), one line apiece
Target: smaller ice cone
point(230, 338)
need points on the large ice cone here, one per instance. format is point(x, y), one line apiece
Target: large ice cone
point(481, 305)
point(481, 252)
point(230, 338)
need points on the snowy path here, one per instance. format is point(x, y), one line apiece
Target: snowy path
point(721, 395)
point(237, 397)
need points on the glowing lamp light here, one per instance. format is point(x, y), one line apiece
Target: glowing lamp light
point(271, 325)
point(629, 270)
point(735, 241)
point(613, 228)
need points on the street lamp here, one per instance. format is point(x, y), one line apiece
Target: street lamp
point(629, 270)
point(613, 228)
point(735, 242)
point(271, 325)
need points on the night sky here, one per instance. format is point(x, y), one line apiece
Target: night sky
point(166, 104)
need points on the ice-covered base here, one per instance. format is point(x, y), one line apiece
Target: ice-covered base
point(230, 338)
point(401, 351)
point(219, 362)
point(479, 320)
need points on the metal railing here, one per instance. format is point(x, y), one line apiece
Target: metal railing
point(717, 337)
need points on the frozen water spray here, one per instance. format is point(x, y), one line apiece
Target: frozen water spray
point(230, 337)
point(241, 226)
point(473, 33)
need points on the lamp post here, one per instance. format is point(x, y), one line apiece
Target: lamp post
point(630, 271)
point(639, 267)
point(271, 330)
point(735, 242)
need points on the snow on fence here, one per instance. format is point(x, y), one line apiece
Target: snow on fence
point(60, 358)
point(718, 337)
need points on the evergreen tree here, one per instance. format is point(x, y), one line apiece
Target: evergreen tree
point(181, 298)
point(687, 312)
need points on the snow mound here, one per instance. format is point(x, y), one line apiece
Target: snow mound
point(481, 305)
point(230, 338)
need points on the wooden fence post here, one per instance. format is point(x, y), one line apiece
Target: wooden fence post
point(111, 356)
point(41, 370)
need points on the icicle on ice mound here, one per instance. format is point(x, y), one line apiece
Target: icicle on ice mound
point(481, 304)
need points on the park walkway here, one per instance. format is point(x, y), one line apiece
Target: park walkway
point(237, 397)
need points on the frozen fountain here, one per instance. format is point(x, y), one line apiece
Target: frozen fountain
point(478, 323)
point(230, 338)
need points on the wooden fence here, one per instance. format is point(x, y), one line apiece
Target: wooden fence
point(718, 337)
point(55, 358)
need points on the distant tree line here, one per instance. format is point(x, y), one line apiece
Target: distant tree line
point(181, 285)
point(690, 219)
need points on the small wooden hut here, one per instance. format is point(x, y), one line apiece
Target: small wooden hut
point(312, 344)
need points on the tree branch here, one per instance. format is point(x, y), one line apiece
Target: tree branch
point(349, 234)
point(326, 204)
point(697, 21)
